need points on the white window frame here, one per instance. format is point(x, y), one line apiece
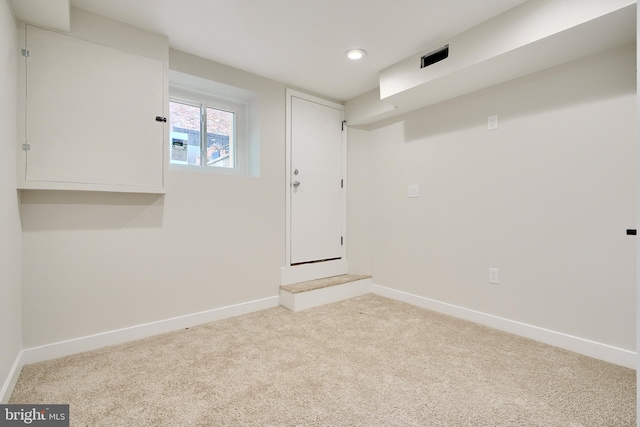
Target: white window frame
point(238, 148)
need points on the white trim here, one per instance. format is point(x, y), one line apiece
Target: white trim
point(118, 336)
point(12, 378)
point(322, 296)
point(290, 93)
point(579, 345)
point(317, 270)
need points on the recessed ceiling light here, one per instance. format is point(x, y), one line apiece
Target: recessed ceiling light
point(355, 54)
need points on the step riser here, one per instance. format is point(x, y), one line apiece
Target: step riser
point(317, 297)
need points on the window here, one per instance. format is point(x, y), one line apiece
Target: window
point(214, 127)
point(202, 135)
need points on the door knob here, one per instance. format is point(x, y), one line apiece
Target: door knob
point(296, 184)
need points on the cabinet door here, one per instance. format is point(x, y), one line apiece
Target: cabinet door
point(90, 113)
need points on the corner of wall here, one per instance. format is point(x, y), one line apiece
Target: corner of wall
point(10, 228)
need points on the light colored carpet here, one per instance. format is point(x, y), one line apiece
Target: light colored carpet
point(367, 361)
point(322, 283)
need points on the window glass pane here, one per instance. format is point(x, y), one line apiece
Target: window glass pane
point(184, 121)
point(220, 138)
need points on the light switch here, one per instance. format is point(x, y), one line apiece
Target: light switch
point(492, 122)
point(412, 190)
point(494, 276)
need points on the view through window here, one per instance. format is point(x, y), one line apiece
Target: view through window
point(201, 135)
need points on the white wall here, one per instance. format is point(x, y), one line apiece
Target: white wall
point(358, 201)
point(10, 241)
point(96, 262)
point(545, 198)
point(637, 299)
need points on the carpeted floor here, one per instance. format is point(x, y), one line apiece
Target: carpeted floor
point(367, 361)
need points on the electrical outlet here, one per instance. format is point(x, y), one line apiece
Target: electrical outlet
point(492, 122)
point(494, 276)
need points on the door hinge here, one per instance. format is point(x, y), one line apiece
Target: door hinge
point(341, 241)
point(343, 123)
point(342, 183)
point(25, 52)
point(26, 147)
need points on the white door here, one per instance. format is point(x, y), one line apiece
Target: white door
point(316, 182)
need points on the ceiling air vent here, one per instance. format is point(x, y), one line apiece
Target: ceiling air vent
point(435, 56)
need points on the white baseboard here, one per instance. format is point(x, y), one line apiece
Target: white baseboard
point(322, 296)
point(119, 336)
point(312, 271)
point(579, 345)
point(12, 379)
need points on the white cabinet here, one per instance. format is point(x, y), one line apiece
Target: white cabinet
point(91, 116)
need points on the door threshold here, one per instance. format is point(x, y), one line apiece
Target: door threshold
point(311, 271)
point(316, 261)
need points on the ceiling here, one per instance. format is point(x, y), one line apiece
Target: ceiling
point(302, 42)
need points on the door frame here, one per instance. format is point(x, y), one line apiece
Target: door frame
point(317, 270)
